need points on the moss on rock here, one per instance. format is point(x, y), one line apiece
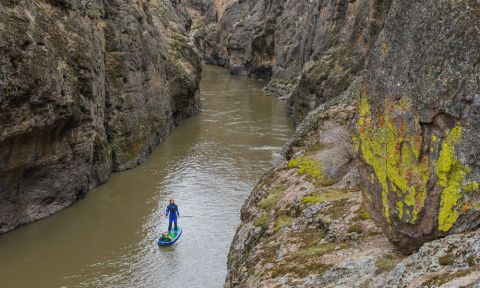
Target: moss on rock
point(386, 263)
point(331, 195)
point(273, 196)
point(263, 220)
point(312, 168)
point(283, 221)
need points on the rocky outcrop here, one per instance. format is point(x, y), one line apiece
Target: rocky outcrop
point(86, 88)
point(306, 223)
point(419, 121)
point(412, 70)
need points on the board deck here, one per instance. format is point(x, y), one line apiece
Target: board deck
point(175, 238)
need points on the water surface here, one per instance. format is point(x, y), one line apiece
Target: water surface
point(209, 165)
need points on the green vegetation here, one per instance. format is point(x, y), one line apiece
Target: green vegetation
point(312, 168)
point(124, 149)
point(118, 145)
point(309, 237)
point(386, 263)
point(317, 251)
point(263, 220)
point(337, 209)
point(305, 262)
point(115, 64)
point(111, 9)
point(362, 214)
point(355, 229)
point(273, 196)
point(283, 221)
point(306, 166)
point(331, 195)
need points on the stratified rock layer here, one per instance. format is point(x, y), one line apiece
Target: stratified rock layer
point(86, 87)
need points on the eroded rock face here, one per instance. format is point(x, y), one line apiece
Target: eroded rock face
point(86, 87)
point(312, 50)
point(419, 119)
point(304, 224)
point(414, 69)
point(449, 262)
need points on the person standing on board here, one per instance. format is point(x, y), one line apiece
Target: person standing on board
point(172, 213)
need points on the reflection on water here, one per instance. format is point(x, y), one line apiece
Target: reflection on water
point(209, 165)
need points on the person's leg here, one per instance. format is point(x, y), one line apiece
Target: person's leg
point(169, 225)
point(176, 227)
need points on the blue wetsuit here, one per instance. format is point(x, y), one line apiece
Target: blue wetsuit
point(172, 212)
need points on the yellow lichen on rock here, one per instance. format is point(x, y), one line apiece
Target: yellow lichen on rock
point(391, 144)
point(394, 154)
point(450, 173)
point(312, 168)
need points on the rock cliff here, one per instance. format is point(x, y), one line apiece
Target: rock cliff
point(86, 88)
point(385, 96)
point(311, 50)
point(418, 122)
point(306, 223)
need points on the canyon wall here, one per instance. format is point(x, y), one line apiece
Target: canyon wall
point(310, 50)
point(86, 88)
point(385, 161)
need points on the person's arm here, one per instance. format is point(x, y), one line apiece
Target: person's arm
point(167, 211)
point(178, 212)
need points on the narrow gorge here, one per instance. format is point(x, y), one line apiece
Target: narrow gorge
point(86, 88)
point(385, 159)
point(378, 186)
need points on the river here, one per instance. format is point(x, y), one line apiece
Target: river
point(208, 165)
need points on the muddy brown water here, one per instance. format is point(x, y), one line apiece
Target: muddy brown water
point(209, 165)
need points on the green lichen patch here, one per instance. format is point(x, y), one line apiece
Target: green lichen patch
point(273, 196)
point(337, 209)
point(308, 237)
point(283, 221)
point(356, 228)
point(263, 220)
point(306, 261)
point(125, 148)
point(362, 214)
point(451, 174)
point(392, 144)
point(318, 250)
point(312, 169)
point(331, 195)
point(118, 145)
point(387, 263)
point(394, 153)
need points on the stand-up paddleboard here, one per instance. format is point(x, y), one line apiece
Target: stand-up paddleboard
point(174, 237)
